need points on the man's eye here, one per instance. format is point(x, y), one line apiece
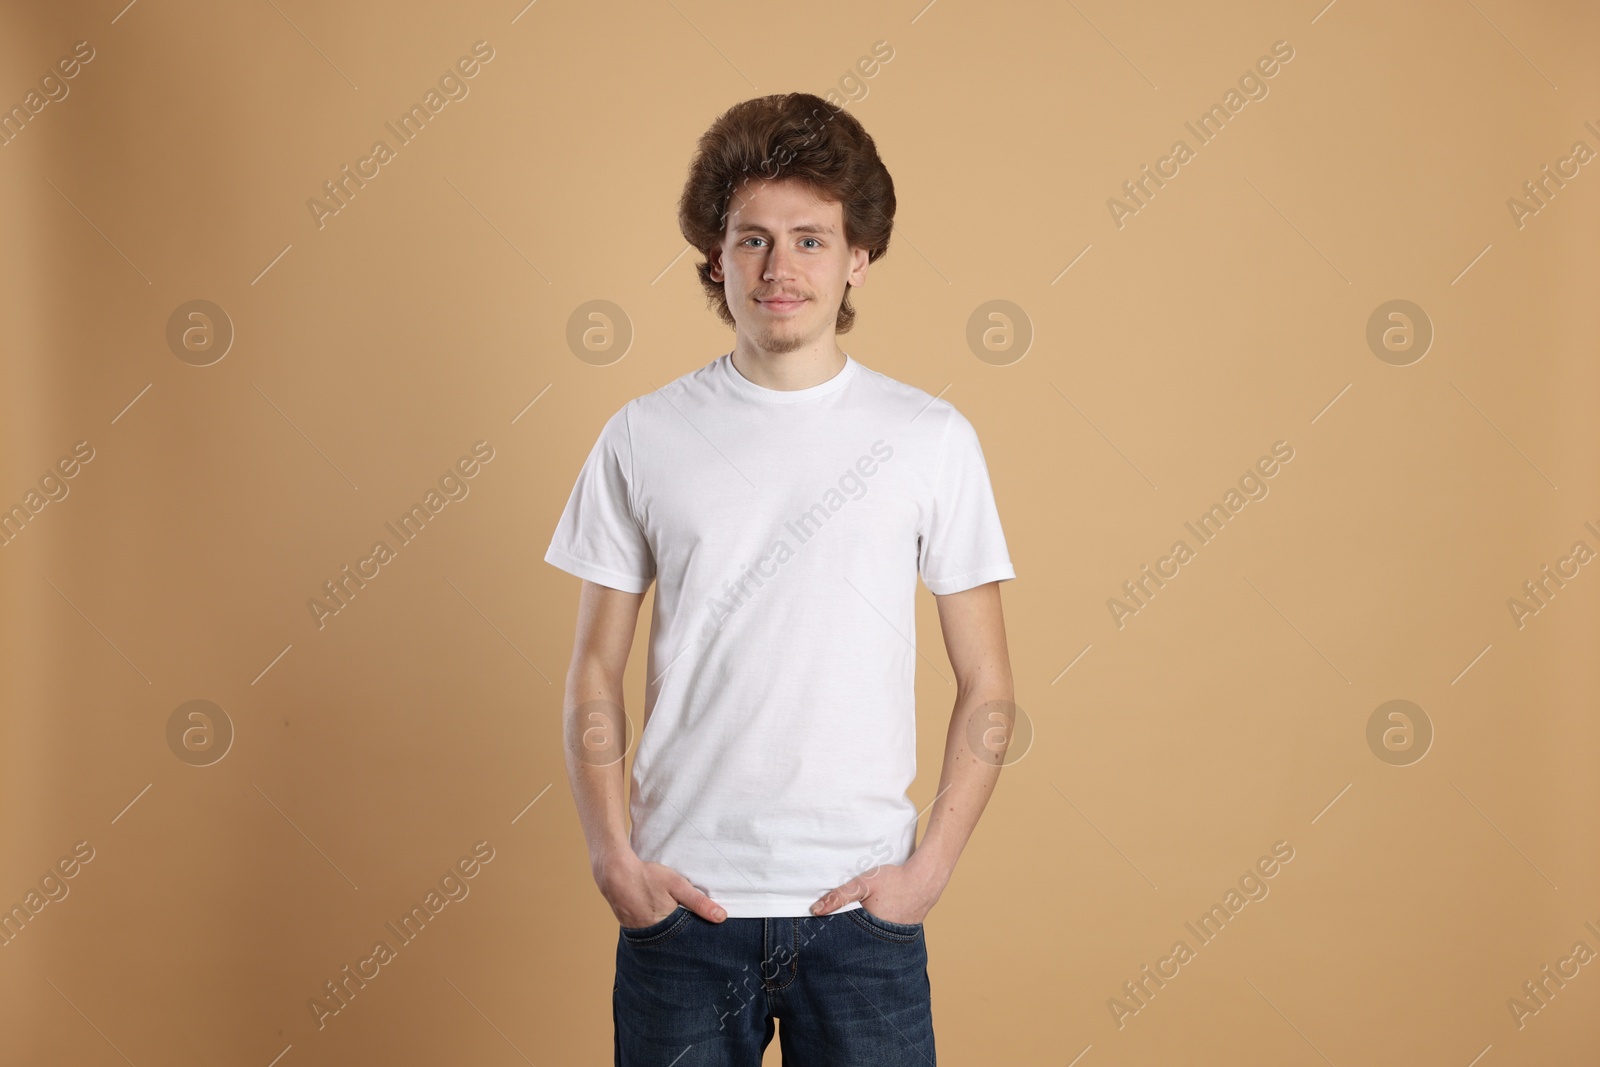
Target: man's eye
point(813, 239)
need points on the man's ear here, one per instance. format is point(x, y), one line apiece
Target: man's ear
point(858, 271)
point(714, 257)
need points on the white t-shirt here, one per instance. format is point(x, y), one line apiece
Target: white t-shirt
point(785, 530)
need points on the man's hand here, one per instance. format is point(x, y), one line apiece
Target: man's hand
point(644, 893)
point(901, 893)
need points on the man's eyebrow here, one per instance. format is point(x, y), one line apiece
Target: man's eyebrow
point(808, 227)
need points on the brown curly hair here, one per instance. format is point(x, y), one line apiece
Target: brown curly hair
point(787, 136)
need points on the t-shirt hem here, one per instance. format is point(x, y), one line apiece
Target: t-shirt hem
point(628, 583)
point(998, 572)
point(776, 907)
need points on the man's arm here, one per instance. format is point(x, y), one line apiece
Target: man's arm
point(974, 750)
point(592, 717)
point(593, 729)
point(980, 726)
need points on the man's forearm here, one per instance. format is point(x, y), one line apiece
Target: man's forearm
point(594, 733)
point(974, 750)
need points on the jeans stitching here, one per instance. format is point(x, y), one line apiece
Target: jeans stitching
point(657, 938)
point(897, 936)
point(794, 960)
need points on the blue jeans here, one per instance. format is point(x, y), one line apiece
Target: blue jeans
point(851, 988)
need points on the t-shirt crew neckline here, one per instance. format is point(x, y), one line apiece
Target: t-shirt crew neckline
point(786, 396)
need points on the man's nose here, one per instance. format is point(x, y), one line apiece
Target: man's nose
point(780, 264)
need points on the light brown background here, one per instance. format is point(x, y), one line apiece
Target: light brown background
point(1228, 314)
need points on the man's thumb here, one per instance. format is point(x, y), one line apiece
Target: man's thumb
point(699, 903)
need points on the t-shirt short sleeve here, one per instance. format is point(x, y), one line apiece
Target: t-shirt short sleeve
point(960, 544)
point(599, 537)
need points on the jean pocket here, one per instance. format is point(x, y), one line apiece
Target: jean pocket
point(885, 928)
point(659, 930)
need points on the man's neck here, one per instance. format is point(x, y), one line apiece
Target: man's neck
point(800, 369)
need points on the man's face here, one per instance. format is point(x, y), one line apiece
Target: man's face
point(784, 263)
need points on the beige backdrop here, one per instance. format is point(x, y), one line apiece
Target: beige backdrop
point(1339, 269)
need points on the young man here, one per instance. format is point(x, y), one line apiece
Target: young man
point(785, 500)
